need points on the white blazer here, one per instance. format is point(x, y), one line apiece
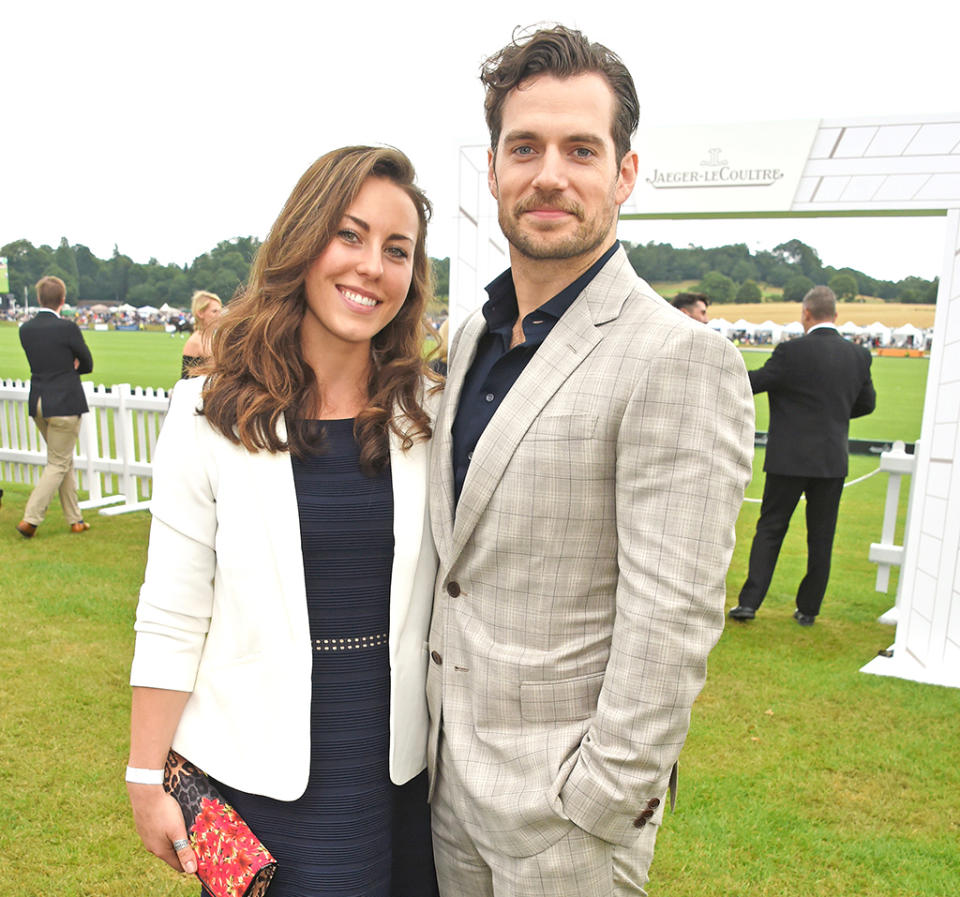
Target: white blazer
point(223, 611)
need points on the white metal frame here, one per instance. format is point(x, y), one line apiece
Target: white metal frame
point(855, 167)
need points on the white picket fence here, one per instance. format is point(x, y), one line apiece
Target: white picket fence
point(114, 453)
point(114, 457)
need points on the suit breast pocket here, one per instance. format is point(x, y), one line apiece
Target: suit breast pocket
point(560, 699)
point(569, 427)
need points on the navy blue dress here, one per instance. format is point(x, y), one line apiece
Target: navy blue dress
point(353, 833)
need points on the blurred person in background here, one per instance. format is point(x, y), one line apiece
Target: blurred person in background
point(693, 305)
point(205, 308)
point(814, 384)
point(438, 358)
point(58, 356)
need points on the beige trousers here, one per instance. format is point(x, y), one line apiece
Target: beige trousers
point(60, 434)
point(578, 865)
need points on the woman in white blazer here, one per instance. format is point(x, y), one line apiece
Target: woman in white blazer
point(282, 623)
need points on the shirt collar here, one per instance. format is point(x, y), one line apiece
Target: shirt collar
point(501, 309)
point(823, 325)
point(55, 313)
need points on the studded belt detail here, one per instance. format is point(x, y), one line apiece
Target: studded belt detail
point(351, 643)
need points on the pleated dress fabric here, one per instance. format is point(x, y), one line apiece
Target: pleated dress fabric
point(353, 833)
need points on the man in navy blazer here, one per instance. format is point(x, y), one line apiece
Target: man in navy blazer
point(58, 356)
point(814, 385)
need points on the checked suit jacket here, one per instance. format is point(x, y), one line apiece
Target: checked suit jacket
point(581, 579)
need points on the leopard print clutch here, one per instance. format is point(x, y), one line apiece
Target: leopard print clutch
point(231, 860)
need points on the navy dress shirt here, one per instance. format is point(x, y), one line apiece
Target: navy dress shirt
point(496, 366)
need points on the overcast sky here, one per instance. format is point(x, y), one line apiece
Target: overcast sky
point(167, 127)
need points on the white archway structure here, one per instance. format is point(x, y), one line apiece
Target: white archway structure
point(905, 166)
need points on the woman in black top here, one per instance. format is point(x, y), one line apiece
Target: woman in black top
point(205, 308)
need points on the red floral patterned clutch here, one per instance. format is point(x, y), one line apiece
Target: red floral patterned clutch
point(232, 862)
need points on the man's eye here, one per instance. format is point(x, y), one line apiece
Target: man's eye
point(583, 152)
point(523, 150)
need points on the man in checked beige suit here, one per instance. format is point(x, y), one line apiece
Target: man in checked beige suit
point(589, 461)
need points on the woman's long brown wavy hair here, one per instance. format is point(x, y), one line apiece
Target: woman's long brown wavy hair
point(258, 375)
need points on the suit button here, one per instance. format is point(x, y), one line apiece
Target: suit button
point(436, 658)
point(453, 589)
point(639, 822)
point(646, 814)
point(653, 803)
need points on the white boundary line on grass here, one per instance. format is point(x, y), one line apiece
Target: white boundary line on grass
point(866, 476)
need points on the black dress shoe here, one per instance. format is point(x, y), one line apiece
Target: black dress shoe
point(742, 613)
point(804, 619)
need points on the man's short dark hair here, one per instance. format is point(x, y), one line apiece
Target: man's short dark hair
point(51, 292)
point(821, 303)
point(688, 300)
point(563, 53)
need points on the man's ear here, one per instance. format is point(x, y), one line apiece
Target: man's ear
point(627, 177)
point(492, 176)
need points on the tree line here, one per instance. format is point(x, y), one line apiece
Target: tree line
point(119, 279)
point(733, 274)
point(725, 273)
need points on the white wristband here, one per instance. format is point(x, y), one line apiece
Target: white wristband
point(137, 776)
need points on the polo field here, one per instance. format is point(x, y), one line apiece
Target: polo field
point(800, 775)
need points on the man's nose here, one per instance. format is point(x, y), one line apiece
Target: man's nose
point(552, 172)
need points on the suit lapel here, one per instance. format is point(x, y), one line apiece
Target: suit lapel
point(462, 352)
point(408, 479)
point(570, 341)
point(568, 344)
point(271, 482)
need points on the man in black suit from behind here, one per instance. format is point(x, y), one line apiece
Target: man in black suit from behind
point(814, 384)
point(58, 356)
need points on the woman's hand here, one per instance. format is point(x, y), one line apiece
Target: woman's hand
point(159, 823)
point(154, 715)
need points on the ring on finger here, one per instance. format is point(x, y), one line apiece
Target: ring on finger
point(180, 844)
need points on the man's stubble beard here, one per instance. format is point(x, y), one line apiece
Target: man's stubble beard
point(588, 236)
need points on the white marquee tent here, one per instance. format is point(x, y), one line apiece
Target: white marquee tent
point(879, 332)
point(907, 335)
point(769, 327)
point(721, 325)
point(794, 328)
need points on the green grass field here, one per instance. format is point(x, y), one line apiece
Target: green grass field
point(153, 359)
point(801, 776)
point(900, 385)
point(141, 358)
